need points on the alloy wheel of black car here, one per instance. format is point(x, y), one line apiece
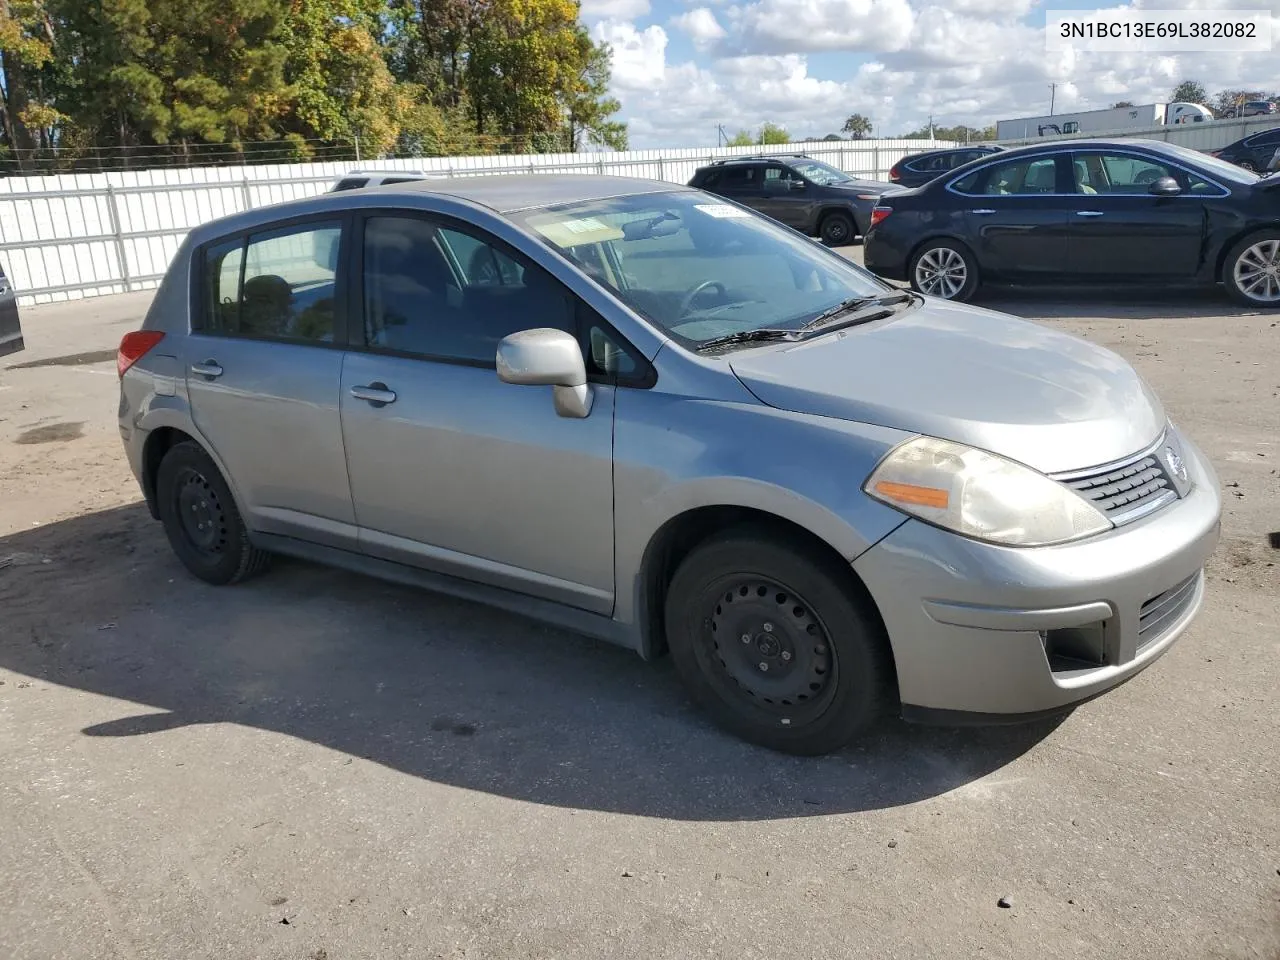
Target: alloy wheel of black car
point(944, 269)
point(201, 520)
point(1251, 272)
point(774, 645)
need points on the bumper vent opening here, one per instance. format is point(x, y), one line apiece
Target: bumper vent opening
point(1076, 648)
point(1165, 609)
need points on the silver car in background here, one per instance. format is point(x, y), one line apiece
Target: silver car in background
point(648, 414)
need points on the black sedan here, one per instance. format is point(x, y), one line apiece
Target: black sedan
point(917, 169)
point(1102, 211)
point(1253, 152)
point(10, 328)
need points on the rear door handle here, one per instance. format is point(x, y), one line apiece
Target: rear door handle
point(209, 369)
point(983, 213)
point(376, 393)
point(1088, 213)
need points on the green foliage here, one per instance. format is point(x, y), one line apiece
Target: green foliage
point(857, 126)
point(771, 133)
point(165, 80)
point(1188, 91)
point(1121, 104)
point(960, 134)
point(742, 138)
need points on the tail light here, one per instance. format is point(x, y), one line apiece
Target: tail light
point(134, 346)
point(879, 213)
point(895, 172)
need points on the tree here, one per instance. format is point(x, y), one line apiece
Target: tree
point(857, 126)
point(742, 138)
point(1189, 91)
point(1121, 104)
point(960, 134)
point(26, 47)
point(771, 133)
point(588, 107)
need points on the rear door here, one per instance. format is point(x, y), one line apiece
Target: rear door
point(10, 328)
point(1016, 216)
point(264, 367)
point(1120, 231)
point(743, 182)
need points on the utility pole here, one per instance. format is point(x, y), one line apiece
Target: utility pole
point(721, 137)
point(1053, 95)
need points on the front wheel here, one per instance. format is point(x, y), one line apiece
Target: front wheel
point(1251, 272)
point(772, 643)
point(836, 229)
point(944, 269)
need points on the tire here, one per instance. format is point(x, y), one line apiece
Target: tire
point(944, 269)
point(1247, 165)
point(1251, 270)
point(201, 519)
point(836, 229)
point(830, 659)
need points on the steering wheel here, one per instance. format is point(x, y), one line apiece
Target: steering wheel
point(1148, 176)
point(687, 301)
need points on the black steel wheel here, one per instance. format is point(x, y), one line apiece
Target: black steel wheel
point(775, 643)
point(200, 517)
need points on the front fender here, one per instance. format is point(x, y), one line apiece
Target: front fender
point(673, 455)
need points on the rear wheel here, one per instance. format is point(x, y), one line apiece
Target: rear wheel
point(770, 641)
point(836, 229)
point(200, 517)
point(1251, 272)
point(943, 269)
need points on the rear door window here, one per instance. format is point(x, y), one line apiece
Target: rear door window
point(275, 285)
point(1023, 177)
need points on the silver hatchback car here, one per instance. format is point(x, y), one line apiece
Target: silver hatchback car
point(648, 414)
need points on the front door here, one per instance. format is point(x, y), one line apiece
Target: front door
point(1015, 217)
point(10, 328)
point(1120, 231)
point(452, 469)
point(264, 366)
point(786, 197)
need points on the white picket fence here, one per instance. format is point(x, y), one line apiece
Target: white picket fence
point(83, 235)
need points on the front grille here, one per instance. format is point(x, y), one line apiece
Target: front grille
point(1164, 610)
point(1127, 490)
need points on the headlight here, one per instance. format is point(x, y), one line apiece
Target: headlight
point(981, 495)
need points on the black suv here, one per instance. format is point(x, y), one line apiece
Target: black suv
point(917, 169)
point(801, 192)
point(1254, 152)
point(10, 328)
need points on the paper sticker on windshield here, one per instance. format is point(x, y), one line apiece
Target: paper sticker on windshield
point(722, 211)
point(585, 225)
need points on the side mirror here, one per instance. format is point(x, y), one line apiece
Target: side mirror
point(797, 184)
point(547, 357)
point(1165, 187)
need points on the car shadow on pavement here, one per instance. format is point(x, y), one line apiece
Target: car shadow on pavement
point(1111, 303)
point(435, 687)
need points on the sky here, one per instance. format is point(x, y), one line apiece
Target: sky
point(682, 67)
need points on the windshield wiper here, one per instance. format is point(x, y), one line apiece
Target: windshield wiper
point(750, 336)
point(856, 303)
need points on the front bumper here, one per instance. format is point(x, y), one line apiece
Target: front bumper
point(979, 629)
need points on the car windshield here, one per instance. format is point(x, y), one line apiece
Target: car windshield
point(820, 173)
point(1218, 168)
point(700, 268)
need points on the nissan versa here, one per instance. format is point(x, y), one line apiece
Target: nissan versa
point(646, 413)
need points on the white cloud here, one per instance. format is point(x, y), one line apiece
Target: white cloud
point(614, 9)
point(701, 25)
point(639, 56)
point(961, 61)
point(797, 26)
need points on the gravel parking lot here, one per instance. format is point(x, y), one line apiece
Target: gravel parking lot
point(319, 766)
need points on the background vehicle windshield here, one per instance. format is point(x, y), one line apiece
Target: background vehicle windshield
point(698, 267)
point(820, 173)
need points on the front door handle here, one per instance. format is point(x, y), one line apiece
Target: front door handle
point(1088, 213)
point(376, 393)
point(209, 369)
point(983, 213)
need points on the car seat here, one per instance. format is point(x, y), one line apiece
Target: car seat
point(1082, 178)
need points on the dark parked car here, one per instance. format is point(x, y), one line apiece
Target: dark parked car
point(10, 328)
point(1254, 152)
point(917, 169)
point(1253, 108)
point(807, 194)
point(1108, 211)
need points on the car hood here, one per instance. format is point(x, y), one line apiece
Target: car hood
point(1044, 398)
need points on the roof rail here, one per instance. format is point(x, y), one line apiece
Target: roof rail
point(756, 156)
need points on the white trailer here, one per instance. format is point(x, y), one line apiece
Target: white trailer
point(1140, 117)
